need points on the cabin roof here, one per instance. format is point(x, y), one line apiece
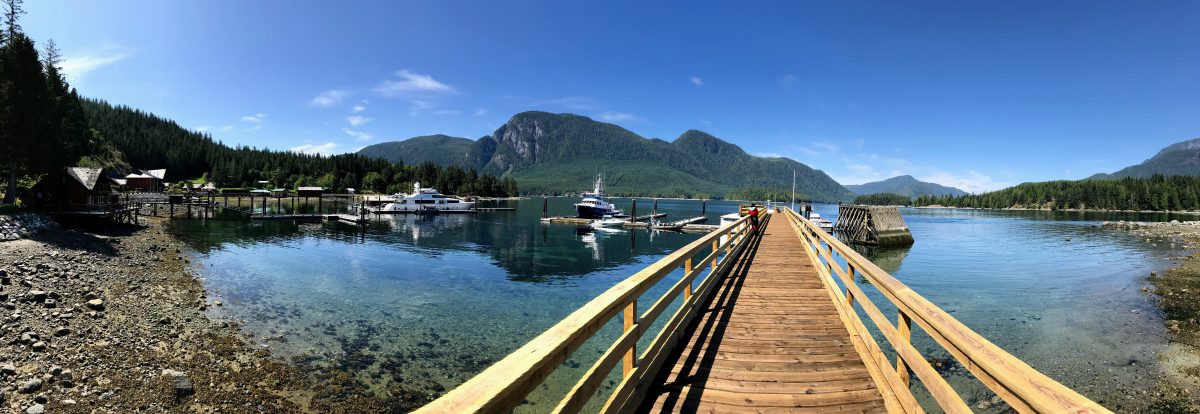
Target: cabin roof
point(159, 174)
point(85, 176)
point(310, 189)
point(138, 176)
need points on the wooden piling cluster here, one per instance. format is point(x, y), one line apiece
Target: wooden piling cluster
point(875, 225)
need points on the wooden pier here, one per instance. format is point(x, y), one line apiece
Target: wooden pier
point(873, 225)
point(762, 322)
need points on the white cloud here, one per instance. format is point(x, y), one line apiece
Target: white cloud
point(446, 112)
point(356, 120)
point(1067, 172)
point(226, 128)
point(411, 82)
point(322, 149)
point(329, 98)
point(769, 155)
point(362, 106)
point(971, 182)
point(481, 111)
point(359, 135)
point(202, 128)
point(611, 116)
point(256, 118)
point(697, 81)
point(77, 66)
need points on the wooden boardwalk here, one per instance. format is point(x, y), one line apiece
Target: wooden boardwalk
point(763, 323)
point(769, 340)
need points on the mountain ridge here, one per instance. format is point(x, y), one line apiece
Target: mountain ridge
point(1180, 158)
point(905, 185)
point(560, 153)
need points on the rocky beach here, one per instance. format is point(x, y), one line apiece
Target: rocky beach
point(1177, 292)
point(113, 322)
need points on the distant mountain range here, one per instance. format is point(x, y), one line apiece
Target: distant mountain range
point(561, 153)
point(904, 185)
point(1181, 158)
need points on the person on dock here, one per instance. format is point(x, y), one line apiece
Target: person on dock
point(753, 213)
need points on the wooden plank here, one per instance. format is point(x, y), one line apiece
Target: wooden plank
point(769, 339)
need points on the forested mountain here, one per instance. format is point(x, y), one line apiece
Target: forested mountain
point(1182, 158)
point(1156, 193)
point(149, 141)
point(561, 153)
point(904, 185)
point(883, 199)
point(438, 149)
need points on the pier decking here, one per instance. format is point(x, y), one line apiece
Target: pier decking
point(762, 322)
point(770, 339)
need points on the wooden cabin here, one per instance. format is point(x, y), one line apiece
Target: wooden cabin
point(146, 180)
point(83, 186)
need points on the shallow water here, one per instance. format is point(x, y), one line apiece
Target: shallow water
point(420, 304)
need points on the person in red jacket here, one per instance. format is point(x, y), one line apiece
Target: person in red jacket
point(753, 213)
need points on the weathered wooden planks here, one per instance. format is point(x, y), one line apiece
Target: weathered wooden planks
point(769, 341)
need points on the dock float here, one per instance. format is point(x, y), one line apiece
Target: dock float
point(770, 321)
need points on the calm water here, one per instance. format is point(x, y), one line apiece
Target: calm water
point(421, 304)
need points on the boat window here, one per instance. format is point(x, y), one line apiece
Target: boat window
point(423, 201)
point(402, 202)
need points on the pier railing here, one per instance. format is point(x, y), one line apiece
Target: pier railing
point(506, 383)
point(1024, 389)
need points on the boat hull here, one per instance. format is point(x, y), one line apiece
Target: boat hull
point(592, 212)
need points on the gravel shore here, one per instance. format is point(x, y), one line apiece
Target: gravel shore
point(1177, 291)
point(114, 322)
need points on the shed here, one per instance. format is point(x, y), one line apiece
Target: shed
point(82, 185)
point(310, 191)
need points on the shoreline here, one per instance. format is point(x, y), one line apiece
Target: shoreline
point(1177, 295)
point(1072, 210)
point(116, 321)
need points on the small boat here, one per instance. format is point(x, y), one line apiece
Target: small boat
point(608, 221)
point(730, 219)
point(823, 224)
point(658, 225)
point(593, 205)
point(427, 200)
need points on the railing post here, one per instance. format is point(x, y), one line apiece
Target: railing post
point(716, 247)
point(904, 328)
point(630, 321)
point(687, 268)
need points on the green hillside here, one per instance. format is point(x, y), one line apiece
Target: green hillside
point(905, 185)
point(1181, 158)
point(561, 153)
point(438, 149)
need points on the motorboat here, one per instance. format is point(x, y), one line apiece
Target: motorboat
point(593, 205)
point(608, 221)
point(427, 200)
point(823, 224)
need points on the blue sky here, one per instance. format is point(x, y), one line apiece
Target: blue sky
point(978, 95)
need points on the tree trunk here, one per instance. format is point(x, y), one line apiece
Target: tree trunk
point(10, 195)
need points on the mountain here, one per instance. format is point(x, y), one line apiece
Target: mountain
point(905, 185)
point(561, 153)
point(1182, 158)
point(439, 149)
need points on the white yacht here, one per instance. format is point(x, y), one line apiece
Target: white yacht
point(427, 200)
point(593, 205)
point(608, 221)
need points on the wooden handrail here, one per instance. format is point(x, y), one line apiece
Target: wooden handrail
point(505, 384)
point(1022, 387)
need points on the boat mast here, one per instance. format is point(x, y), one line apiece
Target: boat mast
point(793, 190)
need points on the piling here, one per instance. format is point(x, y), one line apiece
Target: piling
point(873, 225)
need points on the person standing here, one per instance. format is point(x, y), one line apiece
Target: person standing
point(753, 213)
